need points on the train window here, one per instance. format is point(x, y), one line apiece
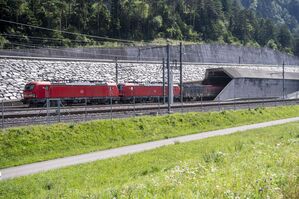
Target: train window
point(29, 87)
point(120, 87)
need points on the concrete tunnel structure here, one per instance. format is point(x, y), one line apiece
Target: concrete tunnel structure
point(241, 83)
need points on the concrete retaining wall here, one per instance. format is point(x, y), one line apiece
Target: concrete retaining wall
point(205, 53)
point(15, 73)
point(244, 88)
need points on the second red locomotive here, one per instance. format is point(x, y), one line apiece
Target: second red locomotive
point(145, 92)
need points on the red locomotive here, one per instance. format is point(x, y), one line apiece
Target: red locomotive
point(144, 92)
point(38, 92)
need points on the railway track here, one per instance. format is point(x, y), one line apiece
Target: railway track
point(21, 116)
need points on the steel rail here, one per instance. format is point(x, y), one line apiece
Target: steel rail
point(75, 118)
point(128, 107)
point(130, 110)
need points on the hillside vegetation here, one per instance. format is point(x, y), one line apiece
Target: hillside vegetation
point(260, 163)
point(221, 21)
point(280, 11)
point(37, 143)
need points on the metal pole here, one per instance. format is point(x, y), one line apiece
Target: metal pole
point(2, 114)
point(110, 108)
point(248, 101)
point(283, 81)
point(219, 104)
point(138, 54)
point(264, 98)
point(85, 107)
point(182, 106)
point(48, 106)
point(110, 102)
point(116, 71)
point(59, 103)
point(163, 80)
point(171, 82)
point(181, 73)
point(134, 105)
point(168, 77)
point(234, 95)
point(159, 105)
point(201, 107)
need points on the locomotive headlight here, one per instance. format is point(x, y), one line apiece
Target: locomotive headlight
point(29, 95)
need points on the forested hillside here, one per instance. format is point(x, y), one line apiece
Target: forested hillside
point(222, 21)
point(280, 11)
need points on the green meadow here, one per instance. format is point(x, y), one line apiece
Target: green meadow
point(260, 163)
point(37, 143)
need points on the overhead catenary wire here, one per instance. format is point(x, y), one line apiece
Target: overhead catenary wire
point(82, 34)
point(41, 38)
point(94, 36)
point(110, 55)
point(67, 32)
point(75, 40)
point(61, 50)
point(84, 53)
point(91, 36)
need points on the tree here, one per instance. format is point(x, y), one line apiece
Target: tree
point(272, 44)
point(284, 37)
point(115, 18)
point(265, 31)
point(227, 7)
point(99, 20)
point(296, 48)
point(196, 20)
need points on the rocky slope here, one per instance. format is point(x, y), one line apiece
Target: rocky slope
point(15, 73)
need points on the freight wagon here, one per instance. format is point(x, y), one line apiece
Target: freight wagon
point(197, 91)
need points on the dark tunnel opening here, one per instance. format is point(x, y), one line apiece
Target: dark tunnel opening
point(217, 78)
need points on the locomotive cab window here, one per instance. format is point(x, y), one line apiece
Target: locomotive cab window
point(29, 87)
point(120, 87)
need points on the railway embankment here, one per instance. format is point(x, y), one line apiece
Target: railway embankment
point(261, 163)
point(16, 72)
point(38, 143)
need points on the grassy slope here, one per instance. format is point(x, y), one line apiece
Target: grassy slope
point(253, 164)
point(37, 143)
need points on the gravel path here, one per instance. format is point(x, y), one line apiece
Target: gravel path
point(89, 157)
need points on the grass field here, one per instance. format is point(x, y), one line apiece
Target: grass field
point(259, 163)
point(36, 143)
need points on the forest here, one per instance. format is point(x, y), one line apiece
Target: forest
point(256, 23)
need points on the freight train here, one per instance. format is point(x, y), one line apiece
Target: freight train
point(36, 93)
